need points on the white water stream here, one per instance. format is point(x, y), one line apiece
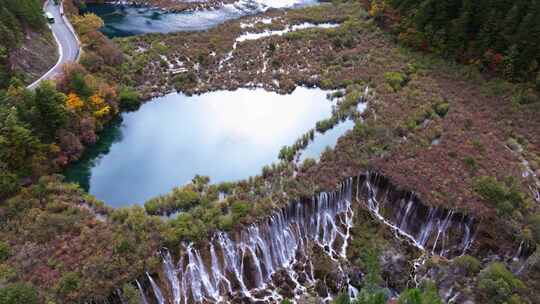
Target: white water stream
point(250, 265)
point(268, 33)
point(441, 231)
point(243, 265)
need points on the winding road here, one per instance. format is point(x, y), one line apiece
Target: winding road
point(66, 39)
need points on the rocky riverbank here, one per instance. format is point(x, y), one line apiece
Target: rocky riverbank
point(170, 5)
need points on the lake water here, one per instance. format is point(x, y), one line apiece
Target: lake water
point(226, 135)
point(125, 20)
point(328, 139)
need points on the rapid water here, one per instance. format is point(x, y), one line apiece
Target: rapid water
point(125, 20)
point(243, 266)
point(251, 265)
point(226, 135)
point(436, 230)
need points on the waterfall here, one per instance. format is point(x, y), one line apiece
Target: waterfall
point(271, 259)
point(243, 265)
point(171, 274)
point(441, 231)
point(157, 292)
point(141, 290)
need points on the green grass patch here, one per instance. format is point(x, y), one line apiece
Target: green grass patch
point(395, 80)
point(505, 198)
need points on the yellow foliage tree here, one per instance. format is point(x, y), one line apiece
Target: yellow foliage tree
point(74, 102)
point(97, 101)
point(87, 23)
point(102, 112)
point(54, 149)
point(377, 8)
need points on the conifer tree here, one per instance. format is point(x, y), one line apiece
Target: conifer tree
point(510, 24)
point(50, 108)
point(19, 142)
point(479, 29)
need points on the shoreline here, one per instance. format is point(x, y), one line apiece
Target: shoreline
point(170, 6)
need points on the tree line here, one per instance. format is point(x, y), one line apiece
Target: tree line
point(501, 36)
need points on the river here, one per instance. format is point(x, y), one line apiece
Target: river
point(125, 20)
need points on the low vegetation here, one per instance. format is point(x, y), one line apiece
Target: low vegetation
point(468, 263)
point(506, 198)
point(395, 80)
point(425, 295)
point(498, 285)
point(49, 215)
point(81, 249)
point(18, 293)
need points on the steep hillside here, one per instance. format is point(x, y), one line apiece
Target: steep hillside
point(37, 53)
point(27, 47)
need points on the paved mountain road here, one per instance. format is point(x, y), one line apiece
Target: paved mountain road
point(66, 39)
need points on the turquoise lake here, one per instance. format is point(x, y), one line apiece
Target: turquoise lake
point(226, 135)
point(127, 20)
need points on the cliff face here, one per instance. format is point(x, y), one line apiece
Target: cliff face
point(437, 230)
point(285, 255)
point(266, 261)
point(37, 53)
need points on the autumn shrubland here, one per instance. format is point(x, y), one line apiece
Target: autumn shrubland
point(432, 126)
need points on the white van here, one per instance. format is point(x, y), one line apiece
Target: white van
point(49, 17)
